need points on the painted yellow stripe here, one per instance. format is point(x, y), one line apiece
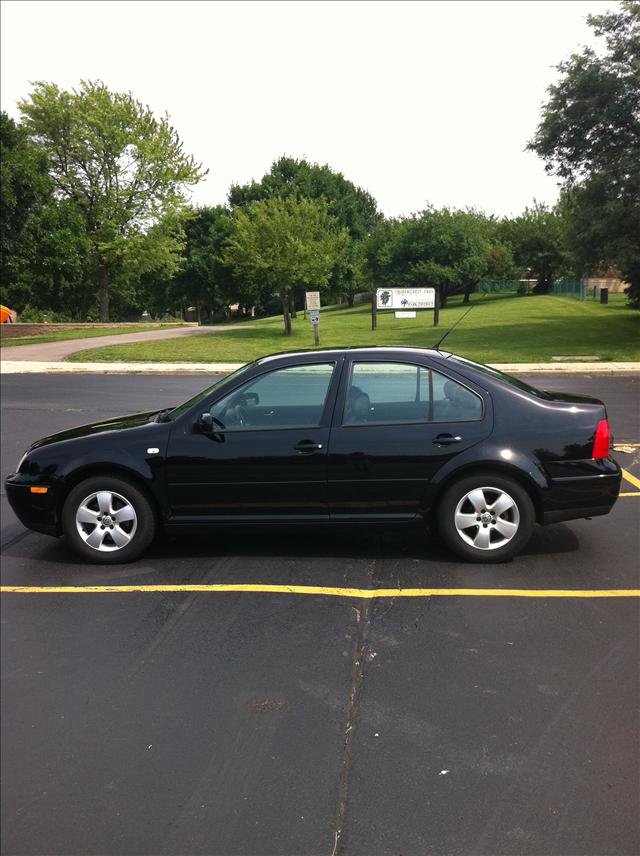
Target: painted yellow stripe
point(634, 481)
point(325, 590)
point(632, 493)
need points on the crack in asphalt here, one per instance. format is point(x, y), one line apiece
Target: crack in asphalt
point(363, 623)
point(359, 659)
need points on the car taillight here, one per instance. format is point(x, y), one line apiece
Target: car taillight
point(602, 441)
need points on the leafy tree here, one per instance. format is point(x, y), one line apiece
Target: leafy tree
point(351, 206)
point(24, 188)
point(204, 280)
point(279, 244)
point(121, 169)
point(538, 239)
point(53, 263)
point(589, 136)
point(447, 249)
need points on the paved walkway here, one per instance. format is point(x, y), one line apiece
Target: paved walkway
point(43, 367)
point(48, 352)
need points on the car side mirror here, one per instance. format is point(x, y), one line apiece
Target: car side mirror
point(205, 421)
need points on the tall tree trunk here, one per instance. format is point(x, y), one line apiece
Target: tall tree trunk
point(443, 296)
point(468, 288)
point(287, 315)
point(292, 306)
point(633, 289)
point(350, 300)
point(103, 282)
point(542, 286)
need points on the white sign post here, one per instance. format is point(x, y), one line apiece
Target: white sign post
point(312, 299)
point(314, 316)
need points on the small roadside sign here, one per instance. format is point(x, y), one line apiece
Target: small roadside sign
point(314, 315)
point(312, 299)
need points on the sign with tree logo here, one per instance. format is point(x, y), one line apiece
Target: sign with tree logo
point(406, 298)
point(405, 302)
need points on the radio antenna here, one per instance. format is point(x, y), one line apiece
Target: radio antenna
point(436, 347)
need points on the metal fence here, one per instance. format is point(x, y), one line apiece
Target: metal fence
point(569, 288)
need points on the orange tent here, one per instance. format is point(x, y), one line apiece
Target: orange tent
point(7, 316)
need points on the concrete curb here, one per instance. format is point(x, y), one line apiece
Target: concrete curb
point(32, 367)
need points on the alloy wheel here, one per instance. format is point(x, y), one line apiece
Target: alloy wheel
point(487, 518)
point(106, 521)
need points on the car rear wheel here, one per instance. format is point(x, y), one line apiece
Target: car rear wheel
point(486, 517)
point(108, 520)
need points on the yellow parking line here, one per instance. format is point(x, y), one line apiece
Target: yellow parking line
point(631, 493)
point(326, 590)
point(630, 478)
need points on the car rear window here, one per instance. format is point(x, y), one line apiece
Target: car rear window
point(503, 376)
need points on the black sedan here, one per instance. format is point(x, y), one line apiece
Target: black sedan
point(384, 435)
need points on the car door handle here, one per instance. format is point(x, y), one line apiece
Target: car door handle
point(307, 446)
point(446, 440)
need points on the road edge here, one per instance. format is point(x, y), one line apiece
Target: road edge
point(43, 367)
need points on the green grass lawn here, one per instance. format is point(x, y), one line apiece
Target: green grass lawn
point(88, 333)
point(501, 328)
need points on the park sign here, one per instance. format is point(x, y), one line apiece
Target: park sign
point(406, 298)
point(312, 300)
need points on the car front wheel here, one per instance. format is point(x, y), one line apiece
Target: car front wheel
point(108, 520)
point(486, 517)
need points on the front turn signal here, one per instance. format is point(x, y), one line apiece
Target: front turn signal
point(38, 489)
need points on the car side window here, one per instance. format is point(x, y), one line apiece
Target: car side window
point(292, 397)
point(384, 393)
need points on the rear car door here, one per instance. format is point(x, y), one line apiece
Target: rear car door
point(266, 458)
point(395, 424)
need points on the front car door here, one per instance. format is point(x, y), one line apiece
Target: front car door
point(395, 424)
point(266, 457)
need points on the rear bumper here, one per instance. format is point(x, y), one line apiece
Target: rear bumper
point(36, 511)
point(585, 495)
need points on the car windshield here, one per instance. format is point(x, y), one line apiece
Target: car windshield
point(182, 408)
point(496, 373)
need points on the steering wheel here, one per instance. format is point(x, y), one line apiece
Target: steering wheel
point(240, 413)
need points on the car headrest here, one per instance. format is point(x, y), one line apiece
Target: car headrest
point(449, 390)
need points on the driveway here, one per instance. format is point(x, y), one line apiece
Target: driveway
point(55, 351)
point(162, 722)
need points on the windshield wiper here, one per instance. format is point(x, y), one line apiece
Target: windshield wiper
point(161, 415)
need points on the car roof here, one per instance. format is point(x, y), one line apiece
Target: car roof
point(370, 349)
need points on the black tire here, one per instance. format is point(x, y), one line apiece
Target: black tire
point(141, 531)
point(521, 516)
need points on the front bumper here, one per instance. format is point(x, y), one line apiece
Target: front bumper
point(37, 511)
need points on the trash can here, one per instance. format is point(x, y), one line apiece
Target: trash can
point(604, 295)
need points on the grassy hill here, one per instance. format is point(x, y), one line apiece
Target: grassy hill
point(501, 328)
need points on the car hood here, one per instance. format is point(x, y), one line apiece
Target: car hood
point(118, 423)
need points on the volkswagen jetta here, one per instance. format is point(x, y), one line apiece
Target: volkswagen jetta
point(389, 435)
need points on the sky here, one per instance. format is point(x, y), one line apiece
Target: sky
point(418, 102)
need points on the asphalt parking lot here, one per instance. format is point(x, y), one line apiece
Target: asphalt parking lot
point(247, 723)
